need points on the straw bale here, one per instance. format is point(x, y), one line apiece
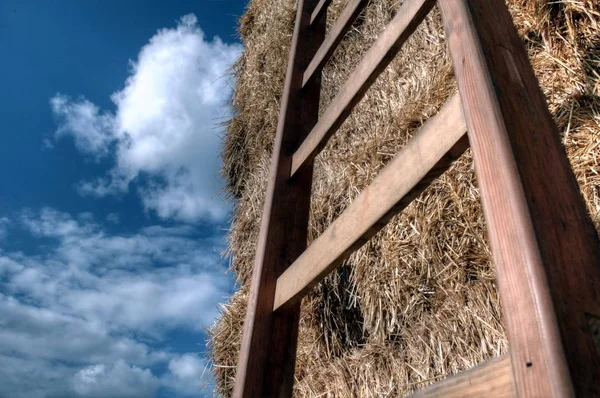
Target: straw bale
point(418, 301)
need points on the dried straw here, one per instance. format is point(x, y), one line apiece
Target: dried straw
point(418, 301)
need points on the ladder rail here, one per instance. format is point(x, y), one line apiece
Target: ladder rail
point(543, 241)
point(320, 8)
point(268, 351)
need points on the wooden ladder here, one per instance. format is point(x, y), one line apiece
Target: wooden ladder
point(545, 247)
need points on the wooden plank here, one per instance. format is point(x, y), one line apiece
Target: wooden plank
point(493, 378)
point(545, 247)
point(409, 16)
point(268, 351)
point(319, 10)
point(337, 33)
point(426, 156)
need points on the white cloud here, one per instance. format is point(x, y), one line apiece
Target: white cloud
point(166, 126)
point(34, 378)
point(87, 315)
point(114, 280)
point(188, 374)
point(46, 332)
point(47, 144)
point(52, 223)
point(90, 314)
point(117, 380)
point(91, 129)
point(113, 218)
point(187, 367)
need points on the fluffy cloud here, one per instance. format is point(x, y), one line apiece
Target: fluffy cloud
point(34, 378)
point(118, 380)
point(86, 317)
point(188, 374)
point(90, 313)
point(113, 218)
point(48, 333)
point(91, 130)
point(165, 132)
point(142, 280)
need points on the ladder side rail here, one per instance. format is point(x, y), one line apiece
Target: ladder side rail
point(268, 351)
point(544, 245)
point(320, 8)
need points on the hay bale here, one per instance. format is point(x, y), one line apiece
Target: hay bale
point(418, 301)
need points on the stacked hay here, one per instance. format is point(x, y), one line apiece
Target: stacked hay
point(418, 301)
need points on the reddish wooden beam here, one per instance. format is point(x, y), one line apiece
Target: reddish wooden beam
point(268, 351)
point(409, 16)
point(545, 247)
point(320, 8)
point(334, 37)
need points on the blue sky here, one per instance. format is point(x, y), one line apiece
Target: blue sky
point(111, 222)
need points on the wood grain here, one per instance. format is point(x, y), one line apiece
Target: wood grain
point(268, 352)
point(319, 10)
point(426, 156)
point(409, 16)
point(493, 379)
point(545, 247)
point(335, 35)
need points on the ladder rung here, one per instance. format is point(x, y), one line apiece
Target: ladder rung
point(426, 156)
point(322, 6)
point(409, 16)
point(493, 378)
point(339, 29)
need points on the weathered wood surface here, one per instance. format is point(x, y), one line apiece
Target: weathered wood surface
point(493, 379)
point(320, 8)
point(409, 16)
point(545, 247)
point(268, 351)
point(426, 156)
point(335, 35)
